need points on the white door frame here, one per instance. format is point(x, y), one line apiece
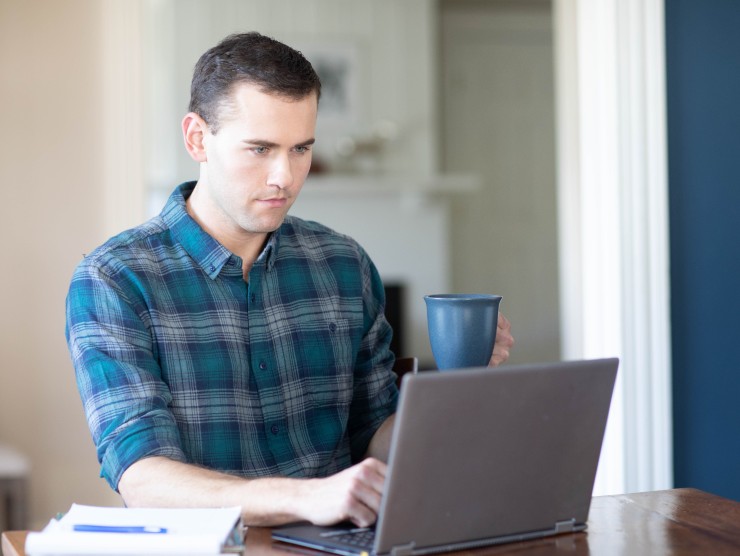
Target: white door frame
point(613, 217)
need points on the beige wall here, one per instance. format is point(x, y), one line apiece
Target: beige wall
point(50, 159)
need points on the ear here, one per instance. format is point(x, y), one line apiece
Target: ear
point(194, 129)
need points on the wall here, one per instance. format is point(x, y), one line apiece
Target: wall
point(497, 111)
point(50, 152)
point(704, 171)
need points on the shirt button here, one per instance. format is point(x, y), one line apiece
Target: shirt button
point(332, 327)
point(253, 298)
point(274, 429)
point(212, 268)
point(263, 365)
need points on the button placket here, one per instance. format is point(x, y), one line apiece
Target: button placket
point(265, 367)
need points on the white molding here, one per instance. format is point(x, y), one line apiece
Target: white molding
point(123, 183)
point(646, 251)
point(613, 223)
point(568, 176)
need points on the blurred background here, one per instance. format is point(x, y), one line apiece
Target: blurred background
point(436, 150)
point(435, 141)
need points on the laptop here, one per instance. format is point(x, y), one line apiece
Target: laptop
point(483, 456)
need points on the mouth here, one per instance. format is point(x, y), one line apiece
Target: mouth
point(275, 201)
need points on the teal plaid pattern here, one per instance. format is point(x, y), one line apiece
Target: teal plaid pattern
point(176, 355)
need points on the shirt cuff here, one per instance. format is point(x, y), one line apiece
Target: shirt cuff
point(142, 439)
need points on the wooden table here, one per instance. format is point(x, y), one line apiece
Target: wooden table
point(669, 522)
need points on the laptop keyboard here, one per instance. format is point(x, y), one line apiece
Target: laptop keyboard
point(360, 539)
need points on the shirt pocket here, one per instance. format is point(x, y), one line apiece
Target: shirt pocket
point(327, 361)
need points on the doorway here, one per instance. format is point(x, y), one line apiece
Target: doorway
point(498, 121)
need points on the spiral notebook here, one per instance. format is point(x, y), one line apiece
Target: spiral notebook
point(111, 530)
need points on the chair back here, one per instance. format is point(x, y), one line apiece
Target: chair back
point(405, 365)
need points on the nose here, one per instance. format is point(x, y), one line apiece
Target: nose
point(281, 173)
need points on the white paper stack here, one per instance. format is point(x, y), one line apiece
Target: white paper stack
point(202, 531)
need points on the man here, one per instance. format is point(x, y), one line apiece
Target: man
point(226, 353)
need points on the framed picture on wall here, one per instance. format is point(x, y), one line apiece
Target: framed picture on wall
point(338, 67)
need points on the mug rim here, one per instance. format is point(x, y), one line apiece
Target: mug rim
point(463, 296)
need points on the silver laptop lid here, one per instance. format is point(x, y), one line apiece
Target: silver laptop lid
point(478, 454)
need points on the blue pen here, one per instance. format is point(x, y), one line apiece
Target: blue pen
point(82, 528)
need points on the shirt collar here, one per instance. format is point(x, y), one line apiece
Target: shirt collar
point(206, 251)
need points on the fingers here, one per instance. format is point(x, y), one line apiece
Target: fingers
point(504, 342)
point(353, 494)
point(365, 492)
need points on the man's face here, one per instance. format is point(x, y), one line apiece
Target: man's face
point(257, 161)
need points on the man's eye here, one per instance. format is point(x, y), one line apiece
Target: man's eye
point(259, 150)
point(302, 149)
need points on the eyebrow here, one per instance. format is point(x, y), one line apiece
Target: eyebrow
point(263, 143)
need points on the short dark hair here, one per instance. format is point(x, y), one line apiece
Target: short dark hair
point(249, 58)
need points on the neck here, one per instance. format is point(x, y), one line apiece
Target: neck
point(246, 245)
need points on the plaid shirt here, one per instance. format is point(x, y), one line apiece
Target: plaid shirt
point(176, 355)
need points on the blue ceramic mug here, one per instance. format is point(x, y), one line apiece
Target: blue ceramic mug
point(462, 328)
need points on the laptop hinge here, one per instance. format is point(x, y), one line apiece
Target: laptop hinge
point(565, 526)
point(403, 550)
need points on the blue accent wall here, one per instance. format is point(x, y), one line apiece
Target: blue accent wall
point(703, 85)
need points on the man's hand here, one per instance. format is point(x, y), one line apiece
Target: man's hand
point(353, 494)
point(504, 342)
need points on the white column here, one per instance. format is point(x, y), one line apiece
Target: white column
point(613, 223)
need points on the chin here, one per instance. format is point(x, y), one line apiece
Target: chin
point(263, 227)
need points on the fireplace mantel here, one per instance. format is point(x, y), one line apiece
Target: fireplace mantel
point(390, 184)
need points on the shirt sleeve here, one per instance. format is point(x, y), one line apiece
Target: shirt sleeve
point(375, 392)
point(126, 402)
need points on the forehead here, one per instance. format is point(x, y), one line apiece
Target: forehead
point(246, 104)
